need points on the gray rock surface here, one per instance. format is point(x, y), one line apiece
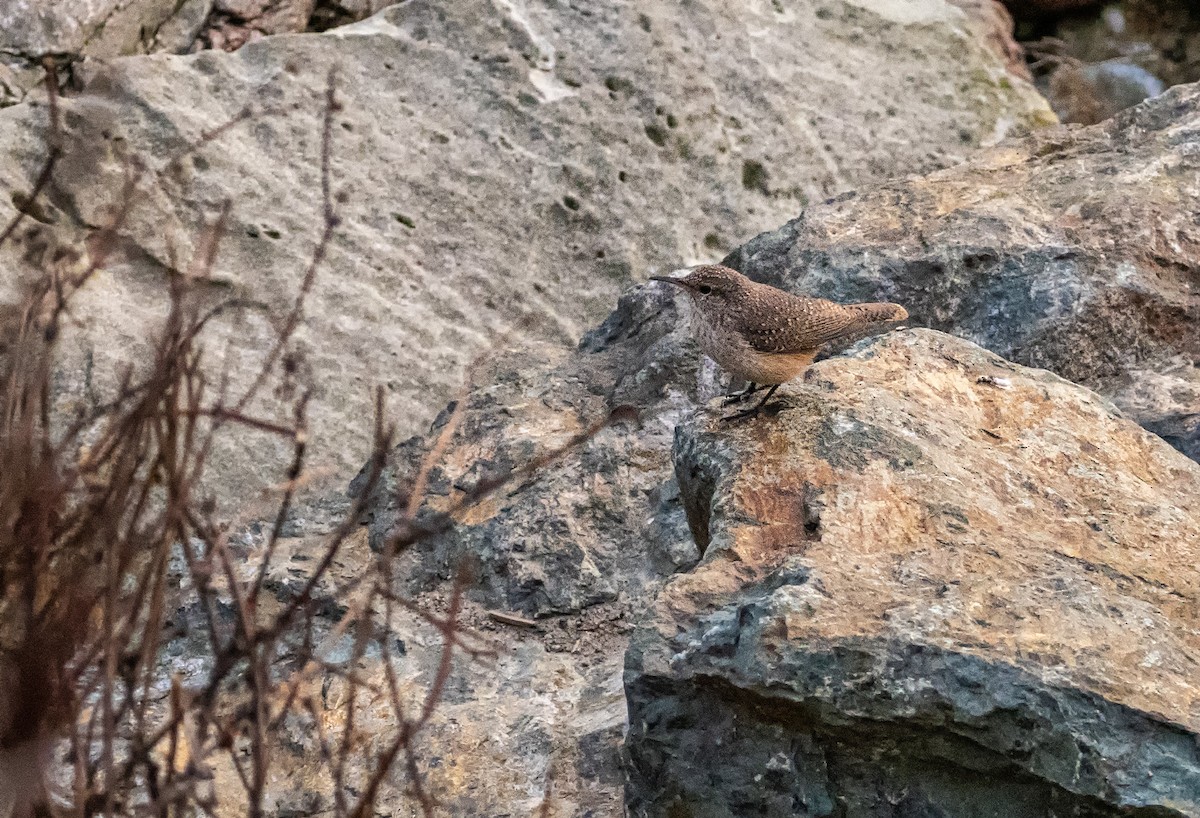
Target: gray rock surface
point(580, 550)
point(545, 712)
point(504, 167)
point(70, 30)
point(1076, 251)
point(32, 28)
point(934, 583)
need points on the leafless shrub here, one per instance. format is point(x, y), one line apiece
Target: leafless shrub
point(95, 509)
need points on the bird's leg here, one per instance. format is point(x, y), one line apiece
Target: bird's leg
point(745, 413)
point(738, 397)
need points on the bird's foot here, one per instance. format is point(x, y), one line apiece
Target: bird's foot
point(738, 397)
point(757, 408)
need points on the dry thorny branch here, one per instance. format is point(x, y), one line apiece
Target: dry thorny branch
point(109, 552)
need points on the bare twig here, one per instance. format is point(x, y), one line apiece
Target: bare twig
point(54, 151)
point(108, 552)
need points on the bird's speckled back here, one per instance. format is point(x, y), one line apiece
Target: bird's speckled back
point(769, 320)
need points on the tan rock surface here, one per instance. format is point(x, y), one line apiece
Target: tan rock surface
point(927, 497)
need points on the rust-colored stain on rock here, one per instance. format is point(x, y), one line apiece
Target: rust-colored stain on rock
point(1036, 545)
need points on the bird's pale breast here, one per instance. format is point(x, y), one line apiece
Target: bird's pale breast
point(735, 355)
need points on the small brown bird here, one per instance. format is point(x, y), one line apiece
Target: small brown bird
point(762, 334)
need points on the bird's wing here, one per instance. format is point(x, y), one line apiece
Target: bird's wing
point(802, 324)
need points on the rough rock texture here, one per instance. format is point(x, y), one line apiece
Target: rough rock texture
point(999, 23)
point(1077, 251)
point(87, 28)
point(935, 583)
point(74, 29)
point(547, 151)
point(603, 523)
point(580, 550)
point(71, 30)
point(548, 707)
point(501, 165)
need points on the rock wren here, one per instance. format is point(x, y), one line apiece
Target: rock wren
point(762, 334)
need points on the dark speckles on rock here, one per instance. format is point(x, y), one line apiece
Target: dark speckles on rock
point(955, 519)
point(755, 176)
point(846, 442)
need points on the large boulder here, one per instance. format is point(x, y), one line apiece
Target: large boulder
point(1075, 250)
point(503, 166)
point(934, 583)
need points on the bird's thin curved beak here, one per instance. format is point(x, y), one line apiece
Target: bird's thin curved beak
point(678, 282)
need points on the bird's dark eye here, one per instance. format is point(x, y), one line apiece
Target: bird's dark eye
point(704, 289)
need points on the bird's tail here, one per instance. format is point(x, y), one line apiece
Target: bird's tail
point(871, 313)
